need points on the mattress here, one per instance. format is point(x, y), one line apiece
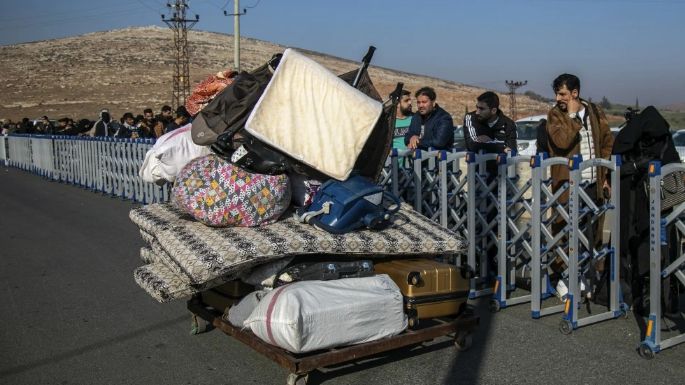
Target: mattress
point(313, 116)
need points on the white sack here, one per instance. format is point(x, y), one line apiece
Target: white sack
point(169, 155)
point(311, 315)
point(312, 115)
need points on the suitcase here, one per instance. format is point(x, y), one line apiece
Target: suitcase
point(431, 289)
point(324, 271)
point(224, 296)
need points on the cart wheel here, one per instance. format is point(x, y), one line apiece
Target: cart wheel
point(463, 341)
point(565, 327)
point(494, 306)
point(297, 379)
point(645, 351)
point(198, 325)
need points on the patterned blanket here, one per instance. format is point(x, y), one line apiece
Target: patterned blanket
point(185, 256)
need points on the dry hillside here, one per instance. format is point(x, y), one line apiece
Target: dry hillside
point(131, 69)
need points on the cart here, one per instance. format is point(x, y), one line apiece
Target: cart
point(300, 365)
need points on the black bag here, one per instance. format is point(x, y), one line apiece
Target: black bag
point(227, 113)
point(647, 137)
point(324, 271)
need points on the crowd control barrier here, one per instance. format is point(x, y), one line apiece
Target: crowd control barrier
point(659, 267)
point(515, 248)
point(106, 165)
point(3, 150)
point(584, 254)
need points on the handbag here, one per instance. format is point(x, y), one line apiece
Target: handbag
point(672, 190)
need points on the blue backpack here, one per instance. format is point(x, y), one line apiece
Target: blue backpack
point(341, 207)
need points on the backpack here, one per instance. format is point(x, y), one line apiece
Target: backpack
point(341, 207)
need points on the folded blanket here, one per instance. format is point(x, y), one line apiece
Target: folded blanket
point(205, 254)
point(161, 283)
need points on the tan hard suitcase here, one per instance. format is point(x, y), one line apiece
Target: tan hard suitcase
point(431, 289)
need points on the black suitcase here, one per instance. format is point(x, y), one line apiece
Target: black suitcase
point(324, 271)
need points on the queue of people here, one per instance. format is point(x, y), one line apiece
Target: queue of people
point(146, 125)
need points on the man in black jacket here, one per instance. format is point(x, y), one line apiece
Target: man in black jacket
point(487, 128)
point(432, 126)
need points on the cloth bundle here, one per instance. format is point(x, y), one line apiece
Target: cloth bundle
point(169, 155)
point(218, 193)
point(204, 92)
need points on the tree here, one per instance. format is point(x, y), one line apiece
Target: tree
point(605, 104)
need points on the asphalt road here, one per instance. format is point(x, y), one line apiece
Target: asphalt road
point(72, 314)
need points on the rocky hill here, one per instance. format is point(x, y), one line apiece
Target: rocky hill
point(131, 69)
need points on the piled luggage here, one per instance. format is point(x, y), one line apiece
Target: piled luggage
point(280, 236)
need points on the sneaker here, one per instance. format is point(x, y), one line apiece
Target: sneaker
point(562, 290)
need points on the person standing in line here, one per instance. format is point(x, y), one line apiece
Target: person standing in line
point(576, 126)
point(432, 126)
point(403, 117)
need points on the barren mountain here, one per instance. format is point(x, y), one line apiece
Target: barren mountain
point(131, 69)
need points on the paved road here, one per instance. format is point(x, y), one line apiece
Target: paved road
point(72, 314)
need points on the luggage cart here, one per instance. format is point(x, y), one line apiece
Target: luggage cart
point(300, 365)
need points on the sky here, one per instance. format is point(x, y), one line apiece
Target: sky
point(621, 49)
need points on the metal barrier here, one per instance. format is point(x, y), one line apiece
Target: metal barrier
point(653, 343)
point(105, 165)
point(3, 149)
point(548, 246)
point(454, 193)
point(515, 249)
point(481, 223)
point(583, 254)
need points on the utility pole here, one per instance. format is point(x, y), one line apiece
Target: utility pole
point(180, 25)
point(513, 85)
point(236, 32)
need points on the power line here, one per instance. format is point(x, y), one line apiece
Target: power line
point(513, 85)
point(180, 25)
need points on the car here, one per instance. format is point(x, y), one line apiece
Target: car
point(679, 141)
point(459, 141)
point(527, 131)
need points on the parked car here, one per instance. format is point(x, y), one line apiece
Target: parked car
point(459, 141)
point(527, 131)
point(679, 141)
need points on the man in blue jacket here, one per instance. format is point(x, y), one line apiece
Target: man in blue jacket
point(431, 126)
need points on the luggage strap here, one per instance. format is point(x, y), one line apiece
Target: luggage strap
point(307, 216)
point(269, 312)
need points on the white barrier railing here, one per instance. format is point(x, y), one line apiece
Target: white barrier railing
point(3, 149)
point(105, 165)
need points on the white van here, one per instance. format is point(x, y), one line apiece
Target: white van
point(526, 130)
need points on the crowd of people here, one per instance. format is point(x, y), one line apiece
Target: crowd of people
point(145, 125)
